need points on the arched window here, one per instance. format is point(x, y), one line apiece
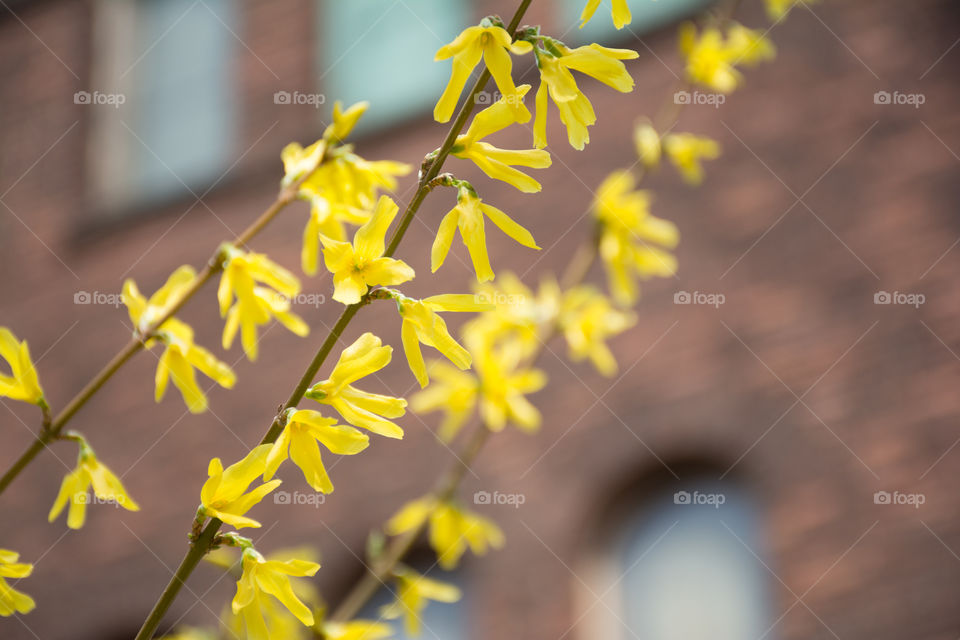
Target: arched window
point(685, 564)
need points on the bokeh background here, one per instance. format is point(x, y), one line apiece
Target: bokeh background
point(797, 399)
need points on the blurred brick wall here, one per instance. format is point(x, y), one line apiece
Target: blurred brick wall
point(814, 396)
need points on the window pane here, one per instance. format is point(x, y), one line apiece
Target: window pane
point(183, 107)
point(689, 572)
point(369, 49)
point(647, 15)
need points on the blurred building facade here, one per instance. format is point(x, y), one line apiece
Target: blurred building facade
point(779, 465)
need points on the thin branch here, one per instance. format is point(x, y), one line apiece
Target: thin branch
point(51, 429)
point(203, 542)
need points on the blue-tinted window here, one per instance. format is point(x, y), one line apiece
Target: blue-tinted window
point(382, 51)
point(687, 569)
point(181, 103)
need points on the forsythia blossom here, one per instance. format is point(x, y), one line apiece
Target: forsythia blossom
point(299, 162)
point(468, 216)
point(24, 383)
point(712, 58)
point(631, 238)
point(303, 430)
point(262, 577)
point(247, 304)
point(498, 386)
point(451, 390)
point(422, 324)
point(344, 121)
point(587, 320)
point(620, 11)
point(364, 357)
point(181, 356)
point(576, 111)
point(519, 315)
point(11, 600)
point(224, 493)
point(75, 485)
point(452, 529)
point(499, 163)
point(414, 590)
point(648, 144)
point(360, 265)
point(504, 383)
point(494, 44)
point(686, 150)
point(344, 188)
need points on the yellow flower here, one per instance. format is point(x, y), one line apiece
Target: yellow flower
point(499, 163)
point(519, 315)
point(503, 385)
point(360, 265)
point(709, 60)
point(262, 577)
point(224, 493)
point(299, 162)
point(11, 600)
point(343, 190)
point(89, 472)
point(181, 355)
point(499, 386)
point(422, 324)
point(778, 9)
point(468, 217)
point(300, 435)
point(451, 390)
point(630, 238)
point(647, 141)
point(344, 121)
point(356, 630)
point(685, 151)
point(452, 529)
point(413, 593)
point(24, 383)
point(587, 320)
point(364, 357)
point(576, 111)
point(620, 10)
point(143, 312)
point(748, 46)
point(255, 305)
point(493, 44)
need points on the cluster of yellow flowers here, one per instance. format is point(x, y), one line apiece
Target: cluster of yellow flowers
point(488, 370)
